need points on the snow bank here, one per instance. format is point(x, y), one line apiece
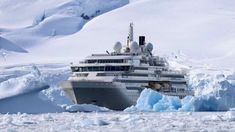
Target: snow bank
point(35, 89)
point(23, 84)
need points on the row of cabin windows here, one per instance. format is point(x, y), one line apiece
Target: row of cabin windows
point(114, 74)
point(100, 68)
point(175, 76)
point(105, 61)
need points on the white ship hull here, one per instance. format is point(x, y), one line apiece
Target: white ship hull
point(112, 95)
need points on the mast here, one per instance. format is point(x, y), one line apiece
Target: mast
point(130, 37)
point(131, 32)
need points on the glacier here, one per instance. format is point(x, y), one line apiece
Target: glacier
point(216, 94)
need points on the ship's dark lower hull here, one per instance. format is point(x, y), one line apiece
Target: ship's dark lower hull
point(112, 95)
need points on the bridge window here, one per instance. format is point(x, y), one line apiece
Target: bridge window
point(100, 68)
point(105, 61)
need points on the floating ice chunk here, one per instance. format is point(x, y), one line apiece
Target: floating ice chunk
point(35, 71)
point(47, 117)
point(212, 118)
point(147, 99)
point(131, 109)
point(94, 122)
point(101, 122)
point(230, 115)
point(133, 119)
point(85, 108)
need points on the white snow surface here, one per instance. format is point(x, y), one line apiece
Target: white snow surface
point(118, 121)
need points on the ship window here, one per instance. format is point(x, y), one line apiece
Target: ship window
point(82, 75)
point(75, 69)
point(100, 68)
point(136, 75)
point(117, 68)
point(105, 61)
point(140, 68)
point(84, 69)
point(173, 76)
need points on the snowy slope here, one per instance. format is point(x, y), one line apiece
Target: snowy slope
point(21, 13)
point(54, 20)
point(62, 19)
point(9, 46)
point(202, 29)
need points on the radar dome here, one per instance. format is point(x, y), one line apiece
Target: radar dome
point(117, 47)
point(134, 47)
point(149, 47)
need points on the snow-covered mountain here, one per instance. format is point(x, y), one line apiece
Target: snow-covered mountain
point(21, 13)
point(54, 20)
point(203, 30)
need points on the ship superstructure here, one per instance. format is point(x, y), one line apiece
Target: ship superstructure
point(115, 80)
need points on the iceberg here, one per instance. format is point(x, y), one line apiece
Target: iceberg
point(151, 100)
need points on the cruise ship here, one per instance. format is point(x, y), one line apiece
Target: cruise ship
point(115, 79)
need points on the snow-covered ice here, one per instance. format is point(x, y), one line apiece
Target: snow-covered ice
point(118, 121)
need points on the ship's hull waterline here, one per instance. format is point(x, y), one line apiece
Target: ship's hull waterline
point(112, 95)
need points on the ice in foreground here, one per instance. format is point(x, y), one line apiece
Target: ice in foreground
point(118, 121)
point(36, 89)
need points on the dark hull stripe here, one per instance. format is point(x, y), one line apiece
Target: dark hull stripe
point(146, 81)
